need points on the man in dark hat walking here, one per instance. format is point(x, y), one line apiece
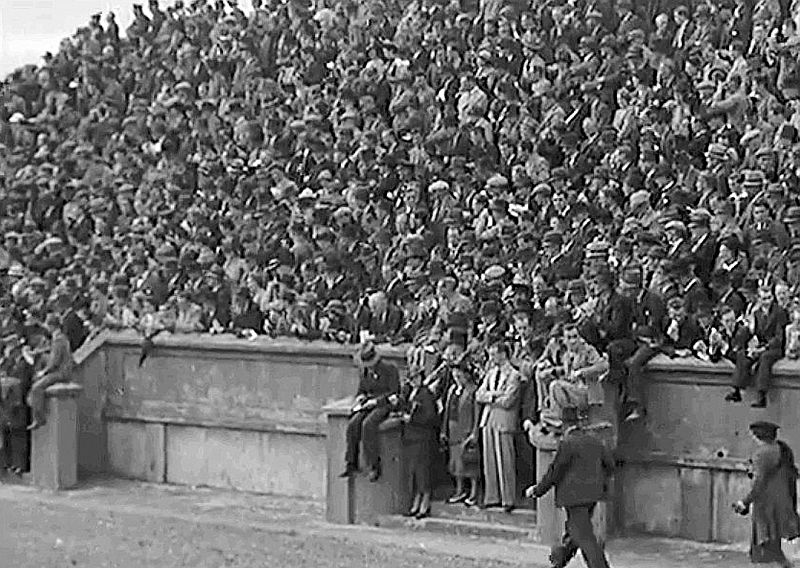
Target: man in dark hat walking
point(580, 472)
point(773, 498)
point(379, 383)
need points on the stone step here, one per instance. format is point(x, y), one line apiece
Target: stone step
point(522, 518)
point(457, 527)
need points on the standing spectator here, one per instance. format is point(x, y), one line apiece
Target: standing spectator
point(772, 500)
point(419, 441)
point(460, 433)
point(499, 396)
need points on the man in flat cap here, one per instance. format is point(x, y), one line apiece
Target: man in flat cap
point(772, 499)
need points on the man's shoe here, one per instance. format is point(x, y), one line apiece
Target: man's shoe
point(734, 396)
point(634, 415)
point(488, 505)
point(349, 472)
point(508, 508)
point(761, 402)
point(374, 474)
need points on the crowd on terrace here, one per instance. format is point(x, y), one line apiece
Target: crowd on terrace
point(433, 173)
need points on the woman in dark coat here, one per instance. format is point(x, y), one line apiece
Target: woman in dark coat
point(773, 497)
point(460, 433)
point(419, 439)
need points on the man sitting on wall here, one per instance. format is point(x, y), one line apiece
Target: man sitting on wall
point(567, 375)
point(379, 382)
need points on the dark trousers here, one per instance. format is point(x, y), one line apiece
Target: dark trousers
point(363, 429)
point(579, 535)
point(15, 452)
point(636, 364)
point(744, 375)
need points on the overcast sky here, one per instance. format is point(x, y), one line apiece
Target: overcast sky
point(29, 28)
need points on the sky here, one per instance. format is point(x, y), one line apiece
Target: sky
point(29, 28)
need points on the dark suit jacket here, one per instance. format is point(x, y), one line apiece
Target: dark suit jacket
point(649, 310)
point(383, 328)
point(579, 472)
point(460, 414)
point(379, 382)
point(689, 333)
point(770, 327)
point(424, 419)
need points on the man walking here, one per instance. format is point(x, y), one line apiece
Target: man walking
point(379, 381)
point(580, 473)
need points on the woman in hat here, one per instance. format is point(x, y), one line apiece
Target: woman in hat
point(460, 434)
point(772, 500)
point(421, 422)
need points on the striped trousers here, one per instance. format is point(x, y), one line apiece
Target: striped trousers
point(499, 467)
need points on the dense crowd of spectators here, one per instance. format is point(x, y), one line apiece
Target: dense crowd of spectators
point(422, 172)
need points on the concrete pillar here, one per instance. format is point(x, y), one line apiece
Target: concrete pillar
point(54, 453)
point(356, 499)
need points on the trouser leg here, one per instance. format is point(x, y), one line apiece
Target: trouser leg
point(507, 467)
point(491, 474)
point(580, 530)
point(636, 364)
point(36, 395)
point(764, 371)
point(354, 439)
point(370, 436)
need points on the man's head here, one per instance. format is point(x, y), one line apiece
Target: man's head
point(498, 352)
point(676, 308)
point(570, 335)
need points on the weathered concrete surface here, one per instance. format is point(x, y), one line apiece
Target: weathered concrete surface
point(124, 524)
point(265, 462)
point(213, 410)
point(54, 446)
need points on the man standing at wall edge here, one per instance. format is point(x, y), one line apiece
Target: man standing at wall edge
point(580, 472)
point(379, 382)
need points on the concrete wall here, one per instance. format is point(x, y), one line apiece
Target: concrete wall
point(249, 415)
point(211, 410)
point(686, 464)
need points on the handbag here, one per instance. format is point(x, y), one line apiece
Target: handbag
point(471, 454)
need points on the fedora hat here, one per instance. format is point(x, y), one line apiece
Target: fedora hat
point(367, 355)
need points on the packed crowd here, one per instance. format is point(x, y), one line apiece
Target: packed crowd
point(420, 172)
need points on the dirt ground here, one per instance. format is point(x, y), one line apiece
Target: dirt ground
point(123, 524)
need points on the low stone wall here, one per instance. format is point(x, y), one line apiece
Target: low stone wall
point(225, 412)
point(686, 464)
point(213, 410)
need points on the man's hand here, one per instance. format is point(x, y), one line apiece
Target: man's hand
point(530, 492)
point(394, 399)
point(741, 508)
point(370, 404)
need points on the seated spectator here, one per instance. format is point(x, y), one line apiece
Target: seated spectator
point(763, 336)
point(379, 383)
point(568, 374)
